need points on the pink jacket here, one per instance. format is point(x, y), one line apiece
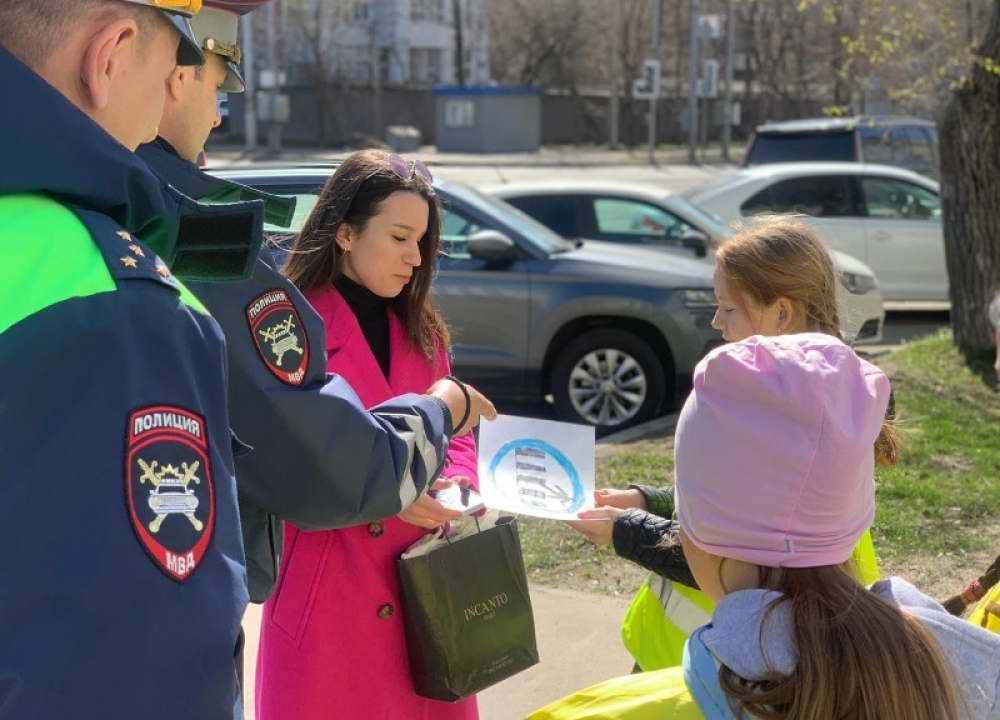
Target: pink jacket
point(332, 640)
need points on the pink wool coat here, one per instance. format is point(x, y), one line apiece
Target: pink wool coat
point(332, 643)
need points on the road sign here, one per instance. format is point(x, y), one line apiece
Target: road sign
point(708, 83)
point(647, 87)
point(709, 27)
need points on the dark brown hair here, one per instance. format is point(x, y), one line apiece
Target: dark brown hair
point(775, 256)
point(353, 196)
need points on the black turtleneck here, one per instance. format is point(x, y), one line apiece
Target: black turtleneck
point(373, 317)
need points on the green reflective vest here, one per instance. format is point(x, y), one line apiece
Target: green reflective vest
point(663, 614)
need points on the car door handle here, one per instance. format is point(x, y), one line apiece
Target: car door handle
point(883, 236)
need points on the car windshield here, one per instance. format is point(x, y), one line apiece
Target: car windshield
point(700, 217)
point(802, 147)
point(508, 215)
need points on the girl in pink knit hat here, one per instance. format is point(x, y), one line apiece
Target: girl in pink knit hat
point(774, 277)
point(775, 485)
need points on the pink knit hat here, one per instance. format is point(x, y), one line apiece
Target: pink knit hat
point(774, 458)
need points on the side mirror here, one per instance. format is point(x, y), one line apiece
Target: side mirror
point(697, 241)
point(490, 245)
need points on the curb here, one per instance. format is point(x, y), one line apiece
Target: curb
point(656, 426)
point(223, 155)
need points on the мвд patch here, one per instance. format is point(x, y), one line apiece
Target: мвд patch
point(169, 487)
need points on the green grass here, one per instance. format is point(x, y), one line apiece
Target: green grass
point(941, 501)
point(945, 489)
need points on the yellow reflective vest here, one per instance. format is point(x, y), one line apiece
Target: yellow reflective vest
point(661, 695)
point(663, 614)
point(690, 691)
point(987, 612)
point(658, 622)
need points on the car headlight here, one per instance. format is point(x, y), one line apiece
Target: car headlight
point(858, 284)
point(698, 299)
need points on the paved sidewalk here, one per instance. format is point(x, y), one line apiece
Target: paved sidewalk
point(578, 645)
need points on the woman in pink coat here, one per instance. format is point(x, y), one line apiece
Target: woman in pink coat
point(332, 643)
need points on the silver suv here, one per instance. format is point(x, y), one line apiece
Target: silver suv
point(611, 333)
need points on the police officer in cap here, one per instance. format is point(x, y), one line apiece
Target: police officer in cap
point(123, 572)
point(319, 458)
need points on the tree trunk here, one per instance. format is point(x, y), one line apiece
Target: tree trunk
point(970, 187)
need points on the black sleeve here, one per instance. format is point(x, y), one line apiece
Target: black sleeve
point(637, 535)
point(659, 500)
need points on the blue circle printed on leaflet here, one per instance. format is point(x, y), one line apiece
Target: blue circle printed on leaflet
point(557, 455)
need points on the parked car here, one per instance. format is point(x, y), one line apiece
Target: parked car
point(612, 334)
point(897, 140)
point(650, 217)
point(887, 217)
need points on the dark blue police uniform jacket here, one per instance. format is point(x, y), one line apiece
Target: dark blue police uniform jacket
point(122, 584)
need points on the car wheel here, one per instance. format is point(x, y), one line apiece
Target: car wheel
point(607, 378)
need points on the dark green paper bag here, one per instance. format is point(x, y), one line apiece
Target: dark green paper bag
point(467, 612)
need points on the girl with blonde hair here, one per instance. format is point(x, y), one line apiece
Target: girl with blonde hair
point(773, 277)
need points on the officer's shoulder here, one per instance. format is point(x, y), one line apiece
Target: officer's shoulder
point(64, 253)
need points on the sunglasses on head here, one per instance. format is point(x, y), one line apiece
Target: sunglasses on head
point(406, 171)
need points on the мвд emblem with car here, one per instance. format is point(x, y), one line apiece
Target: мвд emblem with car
point(169, 487)
point(278, 336)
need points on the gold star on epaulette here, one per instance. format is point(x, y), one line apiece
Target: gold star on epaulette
point(124, 235)
point(129, 261)
point(137, 250)
point(162, 269)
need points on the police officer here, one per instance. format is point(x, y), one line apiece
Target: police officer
point(319, 459)
point(122, 572)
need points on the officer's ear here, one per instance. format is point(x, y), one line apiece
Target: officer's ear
point(179, 78)
point(105, 57)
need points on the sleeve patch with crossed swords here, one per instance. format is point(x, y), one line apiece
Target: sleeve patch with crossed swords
point(170, 493)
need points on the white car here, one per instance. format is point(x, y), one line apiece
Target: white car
point(643, 215)
point(888, 217)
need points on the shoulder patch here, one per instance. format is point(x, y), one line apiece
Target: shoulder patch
point(169, 487)
point(279, 336)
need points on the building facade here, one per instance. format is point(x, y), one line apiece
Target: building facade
point(391, 42)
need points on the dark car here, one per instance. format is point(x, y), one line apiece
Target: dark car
point(611, 333)
point(902, 141)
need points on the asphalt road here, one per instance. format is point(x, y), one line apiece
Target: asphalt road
point(902, 327)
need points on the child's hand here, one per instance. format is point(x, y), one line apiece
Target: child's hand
point(623, 499)
point(596, 525)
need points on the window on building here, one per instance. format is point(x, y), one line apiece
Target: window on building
point(459, 113)
point(361, 11)
point(429, 10)
point(425, 65)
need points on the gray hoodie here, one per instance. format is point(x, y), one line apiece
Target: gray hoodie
point(735, 632)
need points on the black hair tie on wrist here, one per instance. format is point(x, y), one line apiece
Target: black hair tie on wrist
point(468, 401)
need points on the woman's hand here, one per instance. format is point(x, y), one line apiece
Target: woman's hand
point(428, 513)
point(596, 525)
point(624, 499)
point(465, 404)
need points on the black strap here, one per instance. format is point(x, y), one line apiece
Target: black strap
point(468, 401)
